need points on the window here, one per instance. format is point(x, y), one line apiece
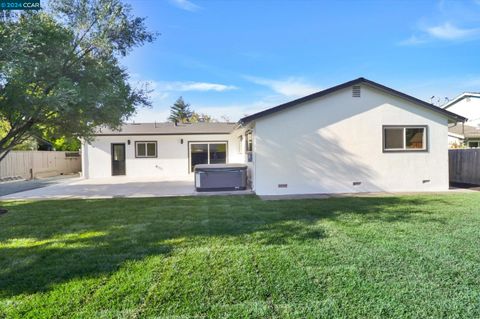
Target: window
point(207, 153)
point(145, 149)
point(249, 141)
point(473, 144)
point(404, 138)
point(249, 145)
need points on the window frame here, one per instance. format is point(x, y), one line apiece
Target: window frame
point(249, 150)
point(247, 133)
point(146, 149)
point(405, 149)
point(475, 141)
point(189, 143)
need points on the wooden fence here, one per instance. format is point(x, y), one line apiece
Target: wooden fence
point(33, 164)
point(464, 166)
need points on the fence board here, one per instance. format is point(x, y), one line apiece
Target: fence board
point(32, 164)
point(464, 166)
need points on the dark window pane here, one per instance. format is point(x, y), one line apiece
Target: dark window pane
point(141, 149)
point(198, 155)
point(473, 144)
point(151, 149)
point(118, 152)
point(414, 137)
point(249, 142)
point(393, 138)
point(218, 153)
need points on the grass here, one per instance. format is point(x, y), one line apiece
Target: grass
point(230, 257)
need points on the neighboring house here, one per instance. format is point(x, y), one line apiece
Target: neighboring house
point(462, 135)
point(359, 136)
point(467, 105)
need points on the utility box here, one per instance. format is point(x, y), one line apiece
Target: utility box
point(220, 177)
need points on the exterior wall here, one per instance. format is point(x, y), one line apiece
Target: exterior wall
point(325, 145)
point(468, 107)
point(242, 154)
point(171, 163)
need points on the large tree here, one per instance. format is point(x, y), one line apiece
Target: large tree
point(60, 71)
point(202, 117)
point(180, 111)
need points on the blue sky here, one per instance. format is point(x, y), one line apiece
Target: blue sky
point(237, 57)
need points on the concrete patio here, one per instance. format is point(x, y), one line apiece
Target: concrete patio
point(114, 187)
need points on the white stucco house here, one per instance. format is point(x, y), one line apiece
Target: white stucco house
point(359, 136)
point(467, 105)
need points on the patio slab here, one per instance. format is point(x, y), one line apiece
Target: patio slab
point(115, 187)
point(17, 186)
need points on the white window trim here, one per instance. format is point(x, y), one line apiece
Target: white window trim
point(146, 149)
point(404, 128)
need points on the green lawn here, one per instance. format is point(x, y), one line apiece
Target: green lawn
point(238, 256)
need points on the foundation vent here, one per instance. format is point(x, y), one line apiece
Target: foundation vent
point(356, 91)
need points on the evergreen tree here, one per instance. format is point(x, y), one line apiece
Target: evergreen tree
point(180, 111)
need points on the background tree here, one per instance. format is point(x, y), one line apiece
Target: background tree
point(180, 111)
point(225, 118)
point(202, 117)
point(60, 71)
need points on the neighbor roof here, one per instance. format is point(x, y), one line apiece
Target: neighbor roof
point(461, 97)
point(358, 81)
point(169, 129)
point(466, 130)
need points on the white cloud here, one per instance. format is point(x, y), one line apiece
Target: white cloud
point(444, 32)
point(284, 90)
point(448, 31)
point(191, 86)
point(290, 87)
point(413, 40)
point(185, 5)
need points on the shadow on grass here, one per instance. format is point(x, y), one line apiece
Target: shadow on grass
point(45, 243)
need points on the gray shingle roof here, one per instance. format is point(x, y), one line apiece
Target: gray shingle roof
point(169, 129)
point(465, 130)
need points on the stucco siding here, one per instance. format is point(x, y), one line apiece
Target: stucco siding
point(171, 163)
point(324, 145)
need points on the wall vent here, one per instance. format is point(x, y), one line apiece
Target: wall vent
point(356, 91)
point(282, 185)
point(357, 183)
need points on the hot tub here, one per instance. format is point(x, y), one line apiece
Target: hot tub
point(220, 177)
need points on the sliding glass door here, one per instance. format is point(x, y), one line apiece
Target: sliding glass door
point(207, 153)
